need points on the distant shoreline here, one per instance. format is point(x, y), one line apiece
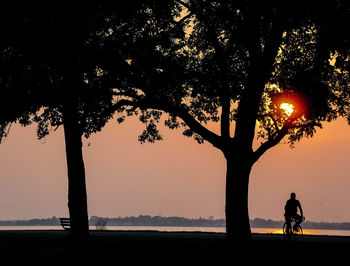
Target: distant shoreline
point(175, 221)
point(262, 223)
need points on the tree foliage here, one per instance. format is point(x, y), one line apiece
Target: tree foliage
point(53, 53)
point(228, 63)
point(199, 67)
point(233, 63)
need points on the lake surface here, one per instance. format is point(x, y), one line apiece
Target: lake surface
point(186, 229)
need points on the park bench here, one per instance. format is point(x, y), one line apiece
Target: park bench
point(65, 223)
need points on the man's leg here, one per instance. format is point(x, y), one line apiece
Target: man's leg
point(289, 224)
point(298, 220)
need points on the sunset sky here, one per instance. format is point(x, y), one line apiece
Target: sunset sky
point(173, 177)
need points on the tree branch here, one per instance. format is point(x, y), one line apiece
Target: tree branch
point(183, 4)
point(225, 116)
point(261, 66)
point(271, 142)
point(181, 112)
point(279, 135)
point(184, 18)
point(197, 127)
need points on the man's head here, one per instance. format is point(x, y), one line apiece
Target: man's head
point(292, 195)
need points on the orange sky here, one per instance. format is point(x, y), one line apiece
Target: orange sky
point(176, 176)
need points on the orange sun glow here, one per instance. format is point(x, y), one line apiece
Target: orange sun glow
point(287, 108)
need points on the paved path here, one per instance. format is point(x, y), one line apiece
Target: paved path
point(307, 238)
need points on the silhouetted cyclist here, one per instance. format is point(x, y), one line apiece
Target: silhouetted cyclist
point(291, 212)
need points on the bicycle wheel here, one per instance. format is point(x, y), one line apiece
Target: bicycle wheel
point(298, 231)
point(284, 230)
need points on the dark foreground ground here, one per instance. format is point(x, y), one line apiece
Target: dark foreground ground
point(160, 248)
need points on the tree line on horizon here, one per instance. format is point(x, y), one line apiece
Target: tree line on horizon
point(147, 220)
point(194, 62)
point(141, 220)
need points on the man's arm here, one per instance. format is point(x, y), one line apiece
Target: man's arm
point(285, 208)
point(301, 209)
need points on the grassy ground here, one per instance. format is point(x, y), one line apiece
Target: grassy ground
point(53, 249)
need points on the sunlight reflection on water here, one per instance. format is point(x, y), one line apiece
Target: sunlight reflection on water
point(306, 231)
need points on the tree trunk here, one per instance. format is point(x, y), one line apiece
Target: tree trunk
point(237, 181)
point(77, 198)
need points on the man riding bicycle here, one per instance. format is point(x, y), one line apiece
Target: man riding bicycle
point(291, 212)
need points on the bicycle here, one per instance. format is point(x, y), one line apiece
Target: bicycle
point(295, 231)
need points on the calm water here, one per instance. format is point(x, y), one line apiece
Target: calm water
point(187, 229)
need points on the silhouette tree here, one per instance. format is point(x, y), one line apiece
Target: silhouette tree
point(201, 62)
point(48, 41)
point(336, 37)
point(57, 51)
point(234, 64)
point(14, 102)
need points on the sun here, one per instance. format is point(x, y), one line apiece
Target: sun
point(287, 108)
